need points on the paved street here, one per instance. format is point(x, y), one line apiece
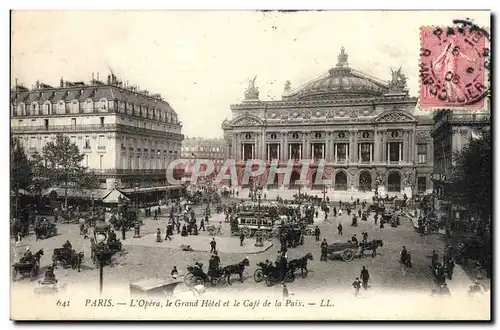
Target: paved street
point(138, 261)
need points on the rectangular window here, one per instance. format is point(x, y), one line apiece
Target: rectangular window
point(102, 121)
point(365, 152)
point(101, 141)
point(87, 142)
point(422, 152)
point(21, 122)
point(46, 123)
point(73, 122)
point(421, 184)
point(33, 143)
point(394, 152)
point(341, 152)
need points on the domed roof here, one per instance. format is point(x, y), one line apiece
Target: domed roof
point(341, 81)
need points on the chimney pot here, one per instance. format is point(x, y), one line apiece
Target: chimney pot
point(109, 79)
point(92, 77)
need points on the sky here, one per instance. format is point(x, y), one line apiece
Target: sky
point(200, 61)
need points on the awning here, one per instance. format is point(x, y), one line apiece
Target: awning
point(97, 194)
point(114, 197)
point(150, 189)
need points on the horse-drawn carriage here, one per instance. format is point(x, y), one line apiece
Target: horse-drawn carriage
point(67, 258)
point(272, 274)
point(218, 277)
point(347, 251)
point(103, 251)
point(27, 266)
point(45, 229)
point(213, 230)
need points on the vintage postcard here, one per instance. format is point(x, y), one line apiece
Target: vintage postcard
point(250, 165)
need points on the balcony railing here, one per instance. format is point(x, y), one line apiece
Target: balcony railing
point(117, 171)
point(90, 127)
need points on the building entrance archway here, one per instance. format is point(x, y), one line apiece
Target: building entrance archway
point(341, 181)
point(365, 181)
point(394, 182)
point(294, 178)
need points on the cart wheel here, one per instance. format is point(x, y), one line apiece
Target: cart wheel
point(63, 263)
point(309, 232)
point(348, 255)
point(189, 279)
point(258, 275)
point(289, 276)
point(14, 274)
point(222, 282)
point(269, 281)
point(246, 232)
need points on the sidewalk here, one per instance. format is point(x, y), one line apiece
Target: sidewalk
point(200, 243)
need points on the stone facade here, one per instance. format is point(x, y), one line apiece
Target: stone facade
point(364, 129)
point(204, 148)
point(128, 136)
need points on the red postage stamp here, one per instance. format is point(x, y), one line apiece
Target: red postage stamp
point(452, 67)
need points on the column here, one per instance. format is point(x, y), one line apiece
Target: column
point(289, 151)
point(387, 158)
point(384, 147)
point(371, 153)
point(376, 144)
point(348, 153)
point(323, 151)
point(335, 152)
point(400, 151)
point(278, 153)
point(300, 151)
point(359, 153)
point(268, 153)
point(312, 152)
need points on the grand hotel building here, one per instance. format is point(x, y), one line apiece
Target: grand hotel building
point(363, 128)
point(127, 136)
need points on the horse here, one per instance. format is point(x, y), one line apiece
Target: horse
point(238, 268)
point(301, 264)
point(371, 245)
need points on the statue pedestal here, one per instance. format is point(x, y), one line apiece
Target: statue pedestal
point(408, 191)
point(381, 191)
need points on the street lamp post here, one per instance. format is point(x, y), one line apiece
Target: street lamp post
point(136, 188)
point(100, 238)
point(92, 196)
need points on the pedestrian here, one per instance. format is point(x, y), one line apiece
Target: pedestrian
point(242, 238)
point(158, 235)
point(168, 232)
point(213, 245)
point(334, 211)
point(324, 250)
point(354, 239)
point(375, 217)
point(156, 215)
point(317, 232)
point(285, 292)
point(339, 229)
point(340, 212)
point(124, 231)
point(359, 213)
point(174, 273)
point(365, 237)
point(202, 225)
point(340, 204)
point(357, 285)
point(365, 276)
point(434, 259)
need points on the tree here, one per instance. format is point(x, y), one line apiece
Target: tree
point(40, 177)
point(63, 162)
point(20, 170)
point(471, 178)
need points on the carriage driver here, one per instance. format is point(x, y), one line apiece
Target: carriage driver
point(199, 270)
point(67, 246)
point(112, 236)
point(49, 276)
point(27, 255)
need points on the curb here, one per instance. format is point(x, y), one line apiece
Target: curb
point(179, 249)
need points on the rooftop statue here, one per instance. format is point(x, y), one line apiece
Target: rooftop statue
point(288, 86)
point(252, 92)
point(398, 80)
point(342, 58)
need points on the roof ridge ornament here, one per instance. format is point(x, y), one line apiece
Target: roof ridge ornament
point(342, 59)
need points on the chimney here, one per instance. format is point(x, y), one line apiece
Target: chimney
point(37, 84)
point(93, 77)
point(109, 79)
point(61, 82)
point(97, 76)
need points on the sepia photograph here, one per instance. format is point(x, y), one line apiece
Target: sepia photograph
point(250, 165)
